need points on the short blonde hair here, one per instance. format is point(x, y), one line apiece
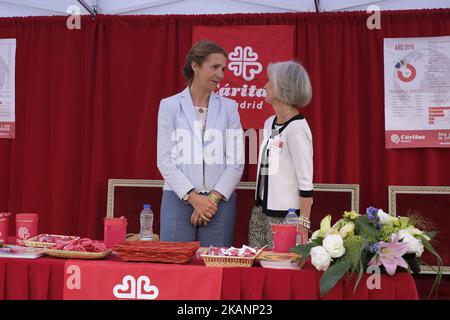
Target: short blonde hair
point(291, 83)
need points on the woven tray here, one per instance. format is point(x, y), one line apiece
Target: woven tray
point(31, 243)
point(220, 261)
point(229, 261)
point(77, 254)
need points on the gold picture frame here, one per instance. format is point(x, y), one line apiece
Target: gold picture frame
point(396, 189)
point(245, 185)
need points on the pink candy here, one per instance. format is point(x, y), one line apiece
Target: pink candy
point(81, 245)
point(245, 251)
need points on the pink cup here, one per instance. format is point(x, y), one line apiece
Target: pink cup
point(26, 226)
point(115, 231)
point(284, 237)
point(4, 223)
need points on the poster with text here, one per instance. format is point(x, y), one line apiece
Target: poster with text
point(250, 49)
point(7, 89)
point(417, 92)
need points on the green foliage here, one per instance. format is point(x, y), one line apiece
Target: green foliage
point(402, 222)
point(333, 274)
point(438, 278)
point(413, 262)
point(430, 234)
point(340, 223)
point(318, 241)
point(364, 226)
point(360, 274)
point(354, 248)
point(387, 231)
point(304, 249)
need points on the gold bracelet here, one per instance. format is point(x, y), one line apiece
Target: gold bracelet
point(214, 198)
point(303, 221)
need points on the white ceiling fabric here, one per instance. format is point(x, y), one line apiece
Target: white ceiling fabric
point(11, 8)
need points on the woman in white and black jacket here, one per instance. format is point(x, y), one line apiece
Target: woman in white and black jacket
point(285, 163)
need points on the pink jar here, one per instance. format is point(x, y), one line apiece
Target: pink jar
point(284, 237)
point(4, 223)
point(115, 231)
point(26, 226)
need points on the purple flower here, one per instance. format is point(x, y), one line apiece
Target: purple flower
point(390, 255)
point(378, 224)
point(375, 248)
point(371, 211)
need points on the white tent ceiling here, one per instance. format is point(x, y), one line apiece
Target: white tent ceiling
point(11, 8)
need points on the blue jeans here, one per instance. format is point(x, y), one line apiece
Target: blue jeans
point(176, 224)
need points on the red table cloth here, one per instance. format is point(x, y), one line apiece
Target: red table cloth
point(273, 284)
point(43, 278)
point(31, 279)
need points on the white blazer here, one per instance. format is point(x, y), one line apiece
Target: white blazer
point(184, 157)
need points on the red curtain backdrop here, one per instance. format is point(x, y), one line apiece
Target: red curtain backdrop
point(87, 103)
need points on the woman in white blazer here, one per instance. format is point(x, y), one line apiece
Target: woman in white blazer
point(200, 153)
point(285, 163)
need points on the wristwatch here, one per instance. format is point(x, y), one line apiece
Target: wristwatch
point(187, 195)
point(214, 198)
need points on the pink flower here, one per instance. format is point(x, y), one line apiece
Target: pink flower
point(390, 255)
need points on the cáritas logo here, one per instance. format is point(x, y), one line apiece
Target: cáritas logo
point(130, 288)
point(244, 62)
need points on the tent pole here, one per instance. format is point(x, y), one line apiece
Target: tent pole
point(91, 10)
point(316, 4)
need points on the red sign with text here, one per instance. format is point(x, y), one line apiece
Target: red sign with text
point(7, 129)
point(250, 49)
point(107, 280)
point(396, 139)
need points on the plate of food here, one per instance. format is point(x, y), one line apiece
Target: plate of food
point(280, 260)
point(83, 248)
point(46, 240)
point(15, 251)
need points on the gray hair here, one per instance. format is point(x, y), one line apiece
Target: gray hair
point(291, 82)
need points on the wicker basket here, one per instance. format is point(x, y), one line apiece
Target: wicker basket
point(221, 261)
point(157, 251)
point(230, 261)
point(77, 254)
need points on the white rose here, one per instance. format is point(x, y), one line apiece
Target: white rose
point(347, 230)
point(320, 258)
point(384, 217)
point(414, 244)
point(334, 245)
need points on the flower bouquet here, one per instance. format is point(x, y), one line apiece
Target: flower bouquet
point(375, 239)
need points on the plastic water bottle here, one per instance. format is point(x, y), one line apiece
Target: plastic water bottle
point(292, 218)
point(146, 219)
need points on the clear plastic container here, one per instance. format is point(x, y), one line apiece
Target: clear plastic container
point(146, 219)
point(291, 217)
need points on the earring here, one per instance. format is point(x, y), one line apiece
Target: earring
point(196, 72)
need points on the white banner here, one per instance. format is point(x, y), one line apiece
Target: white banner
point(7, 88)
point(417, 92)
